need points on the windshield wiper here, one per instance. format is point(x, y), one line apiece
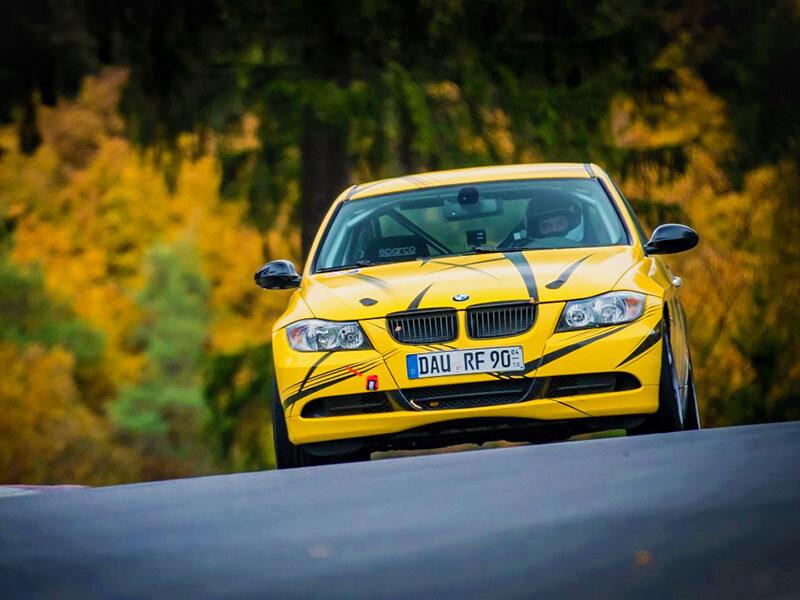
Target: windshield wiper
point(367, 263)
point(355, 264)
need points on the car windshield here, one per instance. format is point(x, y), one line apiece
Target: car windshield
point(470, 218)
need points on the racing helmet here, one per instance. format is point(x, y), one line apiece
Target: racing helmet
point(552, 214)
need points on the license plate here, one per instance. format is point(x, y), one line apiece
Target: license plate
point(463, 362)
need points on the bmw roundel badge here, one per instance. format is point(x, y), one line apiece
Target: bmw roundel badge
point(460, 297)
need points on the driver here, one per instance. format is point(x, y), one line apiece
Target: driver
point(552, 217)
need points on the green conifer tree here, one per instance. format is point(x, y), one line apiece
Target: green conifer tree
point(166, 412)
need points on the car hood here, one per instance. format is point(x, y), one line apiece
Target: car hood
point(553, 275)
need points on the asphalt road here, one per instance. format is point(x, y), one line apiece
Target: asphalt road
point(714, 513)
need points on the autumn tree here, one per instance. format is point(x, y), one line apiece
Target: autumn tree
point(51, 430)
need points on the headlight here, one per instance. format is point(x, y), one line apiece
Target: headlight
point(609, 309)
point(313, 335)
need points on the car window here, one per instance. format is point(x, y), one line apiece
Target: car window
point(449, 220)
point(640, 232)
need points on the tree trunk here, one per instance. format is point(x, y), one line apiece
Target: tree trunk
point(324, 174)
point(29, 136)
point(405, 150)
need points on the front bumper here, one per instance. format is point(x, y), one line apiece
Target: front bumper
point(630, 349)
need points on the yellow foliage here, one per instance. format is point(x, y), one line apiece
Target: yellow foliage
point(46, 434)
point(498, 131)
point(731, 223)
point(89, 205)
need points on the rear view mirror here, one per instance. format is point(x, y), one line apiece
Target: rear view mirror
point(278, 275)
point(671, 238)
point(467, 204)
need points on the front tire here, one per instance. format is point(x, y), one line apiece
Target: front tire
point(290, 456)
point(286, 453)
point(672, 415)
point(692, 421)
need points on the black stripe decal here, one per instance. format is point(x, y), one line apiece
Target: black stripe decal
point(418, 298)
point(302, 394)
point(589, 169)
point(378, 283)
point(309, 379)
point(648, 342)
point(313, 368)
point(364, 365)
point(467, 266)
point(437, 347)
point(440, 345)
point(561, 402)
point(523, 266)
point(485, 260)
point(581, 334)
point(331, 376)
point(562, 279)
point(344, 376)
point(562, 352)
point(433, 259)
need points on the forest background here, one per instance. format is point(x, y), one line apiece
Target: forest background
point(154, 154)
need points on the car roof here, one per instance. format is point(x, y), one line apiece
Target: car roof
point(471, 175)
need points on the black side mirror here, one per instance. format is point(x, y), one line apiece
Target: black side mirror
point(671, 238)
point(278, 275)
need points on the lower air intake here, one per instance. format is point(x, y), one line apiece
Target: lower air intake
point(355, 404)
point(594, 383)
point(469, 395)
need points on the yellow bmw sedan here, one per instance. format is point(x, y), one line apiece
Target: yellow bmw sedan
point(519, 303)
